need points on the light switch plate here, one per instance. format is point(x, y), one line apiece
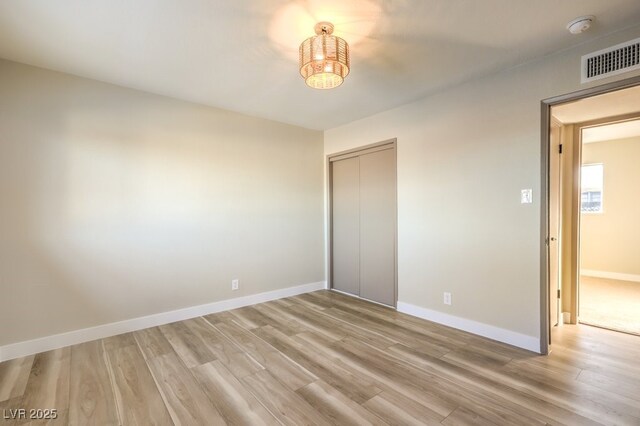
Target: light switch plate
point(526, 196)
point(447, 298)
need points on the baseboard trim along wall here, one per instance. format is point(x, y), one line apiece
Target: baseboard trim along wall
point(610, 275)
point(485, 330)
point(30, 347)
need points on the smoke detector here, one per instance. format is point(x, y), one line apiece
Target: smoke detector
point(581, 24)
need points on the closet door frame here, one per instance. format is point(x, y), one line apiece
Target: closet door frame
point(356, 152)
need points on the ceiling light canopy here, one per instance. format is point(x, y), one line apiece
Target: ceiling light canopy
point(324, 58)
point(581, 24)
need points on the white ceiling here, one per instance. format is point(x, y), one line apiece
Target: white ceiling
point(625, 129)
point(241, 55)
point(610, 104)
point(617, 103)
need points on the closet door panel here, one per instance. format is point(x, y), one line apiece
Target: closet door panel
point(345, 235)
point(377, 227)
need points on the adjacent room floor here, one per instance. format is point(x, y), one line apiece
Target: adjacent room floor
point(326, 358)
point(610, 304)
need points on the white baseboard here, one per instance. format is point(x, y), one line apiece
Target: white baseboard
point(30, 347)
point(500, 334)
point(610, 275)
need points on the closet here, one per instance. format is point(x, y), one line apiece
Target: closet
point(363, 222)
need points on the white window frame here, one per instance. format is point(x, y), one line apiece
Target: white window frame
point(601, 211)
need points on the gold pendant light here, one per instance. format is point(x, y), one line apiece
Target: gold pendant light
point(324, 58)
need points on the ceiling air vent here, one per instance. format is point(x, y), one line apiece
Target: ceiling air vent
point(614, 60)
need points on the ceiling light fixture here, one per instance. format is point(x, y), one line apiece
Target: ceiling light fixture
point(324, 58)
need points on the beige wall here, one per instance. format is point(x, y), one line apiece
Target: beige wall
point(610, 241)
point(117, 204)
point(463, 156)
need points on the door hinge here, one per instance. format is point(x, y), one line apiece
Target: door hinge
point(560, 148)
point(558, 293)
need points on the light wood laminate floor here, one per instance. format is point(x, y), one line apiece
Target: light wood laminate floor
point(325, 358)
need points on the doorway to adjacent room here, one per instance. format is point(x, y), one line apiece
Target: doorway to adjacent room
point(591, 254)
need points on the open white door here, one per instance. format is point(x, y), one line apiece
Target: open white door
point(555, 217)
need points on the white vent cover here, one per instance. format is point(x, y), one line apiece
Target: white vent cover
point(614, 60)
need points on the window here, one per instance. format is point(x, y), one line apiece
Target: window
point(591, 184)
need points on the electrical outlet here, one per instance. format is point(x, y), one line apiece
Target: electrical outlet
point(447, 298)
point(526, 196)
point(235, 284)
